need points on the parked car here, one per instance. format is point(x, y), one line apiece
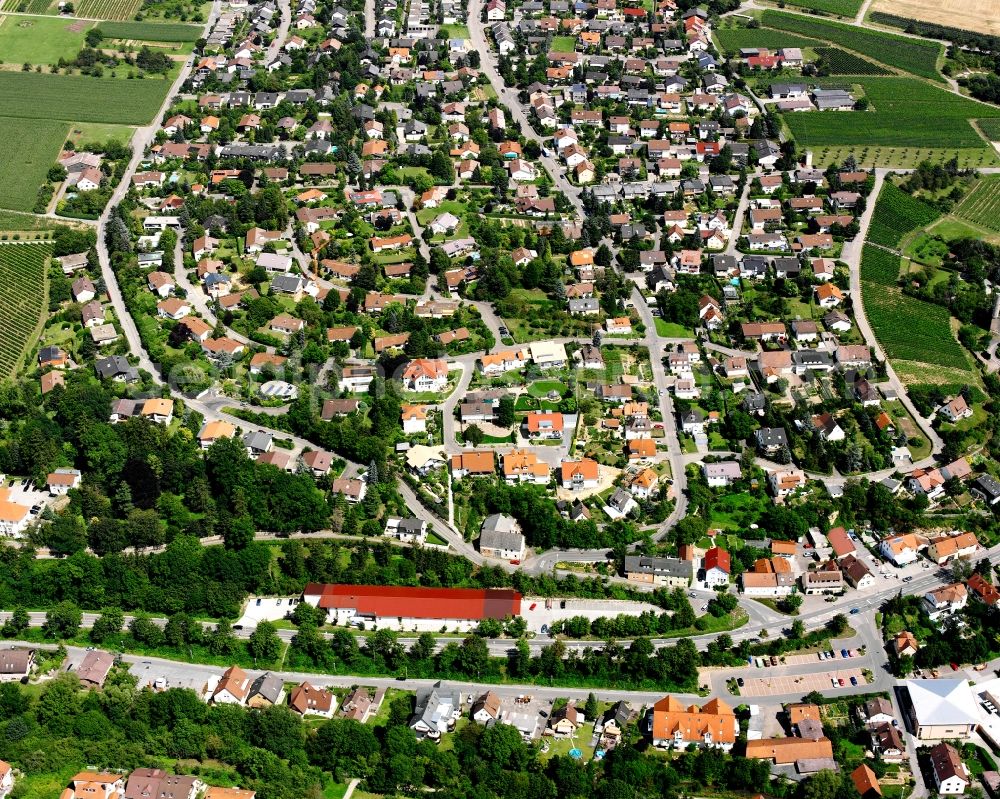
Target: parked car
point(854, 680)
point(841, 680)
point(843, 653)
point(739, 681)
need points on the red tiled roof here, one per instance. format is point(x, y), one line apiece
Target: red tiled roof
point(425, 603)
point(716, 557)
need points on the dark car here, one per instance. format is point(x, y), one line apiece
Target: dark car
point(739, 681)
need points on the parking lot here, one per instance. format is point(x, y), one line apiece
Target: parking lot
point(25, 492)
point(799, 683)
point(538, 616)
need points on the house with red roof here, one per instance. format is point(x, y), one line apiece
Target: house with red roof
point(717, 566)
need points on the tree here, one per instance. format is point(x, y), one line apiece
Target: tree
point(107, 624)
point(474, 435)
point(17, 623)
point(505, 412)
point(264, 643)
point(145, 630)
point(961, 569)
point(790, 603)
point(62, 621)
point(475, 655)
point(59, 702)
point(825, 784)
point(837, 624)
point(590, 709)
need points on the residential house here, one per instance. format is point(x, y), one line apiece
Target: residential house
point(677, 725)
point(672, 572)
point(721, 473)
point(307, 700)
point(946, 548)
point(425, 374)
point(501, 537)
point(945, 601)
point(437, 710)
point(233, 688)
point(951, 775)
point(267, 690)
point(902, 549)
point(411, 531)
point(717, 567)
point(579, 475)
point(486, 708)
point(565, 721)
point(94, 668)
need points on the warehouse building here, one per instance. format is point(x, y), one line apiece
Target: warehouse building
point(403, 608)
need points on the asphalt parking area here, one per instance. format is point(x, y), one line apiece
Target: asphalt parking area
point(799, 683)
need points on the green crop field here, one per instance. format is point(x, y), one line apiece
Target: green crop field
point(40, 40)
point(151, 31)
point(15, 220)
point(905, 113)
point(27, 149)
point(982, 205)
point(920, 57)
point(732, 39)
point(896, 214)
point(76, 98)
point(842, 8)
point(990, 128)
point(879, 266)
point(841, 62)
point(108, 9)
point(22, 297)
point(910, 329)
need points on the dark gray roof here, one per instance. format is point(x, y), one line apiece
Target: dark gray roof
point(669, 567)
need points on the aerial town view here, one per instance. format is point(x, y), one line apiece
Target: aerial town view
point(499, 399)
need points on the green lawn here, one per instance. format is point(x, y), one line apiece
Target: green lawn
point(434, 538)
point(672, 329)
point(563, 44)
point(540, 388)
point(454, 31)
point(81, 133)
point(949, 228)
point(427, 215)
point(581, 741)
point(40, 40)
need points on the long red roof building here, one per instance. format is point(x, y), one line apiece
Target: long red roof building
point(415, 603)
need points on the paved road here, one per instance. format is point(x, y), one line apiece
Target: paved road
point(674, 452)
point(274, 49)
point(369, 19)
point(741, 212)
